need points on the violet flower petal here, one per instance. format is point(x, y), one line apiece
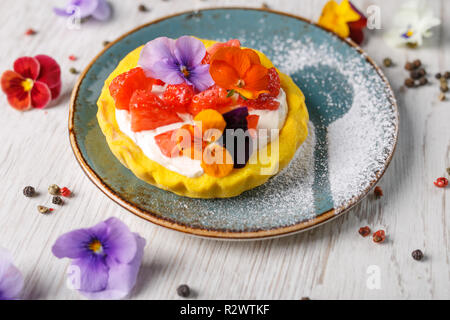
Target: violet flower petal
point(189, 51)
point(103, 11)
point(166, 72)
point(122, 277)
point(121, 243)
point(72, 244)
point(82, 8)
point(93, 273)
point(201, 78)
point(62, 12)
point(159, 50)
point(11, 280)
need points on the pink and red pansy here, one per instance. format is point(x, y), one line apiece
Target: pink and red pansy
point(33, 83)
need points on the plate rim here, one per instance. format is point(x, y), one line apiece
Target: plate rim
point(222, 234)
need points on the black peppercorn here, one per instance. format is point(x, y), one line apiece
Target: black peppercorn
point(184, 291)
point(438, 75)
point(421, 72)
point(105, 43)
point(29, 191)
point(414, 74)
point(447, 75)
point(409, 66)
point(142, 8)
point(423, 81)
point(409, 83)
point(417, 255)
point(387, 62)
point(417, 63)
point(57, 200)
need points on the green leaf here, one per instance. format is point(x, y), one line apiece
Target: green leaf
point(230, 93)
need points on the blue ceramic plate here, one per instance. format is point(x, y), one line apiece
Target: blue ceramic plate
point(353, 129)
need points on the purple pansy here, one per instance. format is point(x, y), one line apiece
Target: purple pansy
point(108, 257)
point(11, 280)
point(177, 61)
point(99, 9)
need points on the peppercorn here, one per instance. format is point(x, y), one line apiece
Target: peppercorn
point(44, 210)
point(57, 200)
point(417, 63)
point(29, 191)
point(447, 75)
point(421, 72)
point(142, 8)
point(438, 75)
point(387, 62)
point(423, 81)
point(364, 231)
point(414, 74)
point(444, 87)
point(441, 182)
point(65, 192)
point(305, 298)
point(417, 255)
point(54, 190)
point(30, 32)
point(442, 97)
point(448, 171)
point(265, 6)
point(378, 192)
point(379, 236)
point(105, 43)
point(184, 291)
point(73, 70)
point(409, 66)
point(409, 83)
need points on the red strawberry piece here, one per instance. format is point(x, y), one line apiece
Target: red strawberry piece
point(65, 192)
point(263, 102)
point(167, 143)
point(179, 96)
point(214, 97)
point(274, 82)
point(124, 85)
point(252, 121)
point(148, 112)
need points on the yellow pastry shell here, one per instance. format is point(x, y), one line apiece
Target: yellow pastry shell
point(255, 173)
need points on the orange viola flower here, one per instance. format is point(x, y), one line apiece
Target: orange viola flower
point(240, 70)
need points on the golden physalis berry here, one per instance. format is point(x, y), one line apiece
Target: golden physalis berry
point(217, 161)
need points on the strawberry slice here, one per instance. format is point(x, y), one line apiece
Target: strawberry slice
point(264, 102)
point(214, 97)
point(179, 96)
point(148, 112)
point(274, 82)
point(252, 121)
point(167, 143)
point(124, 85)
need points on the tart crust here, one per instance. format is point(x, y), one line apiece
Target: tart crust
point(255, 173)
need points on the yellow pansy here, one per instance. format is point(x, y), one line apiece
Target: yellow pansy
point(335, 17)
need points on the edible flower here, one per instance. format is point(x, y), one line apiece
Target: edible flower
point(34, 82)
point(98, 9)
point(106, 258)
point(11, 280)
point(177, 61)
point(343, 19)
point(216, 46)
point(412, 24)
point(240, 70)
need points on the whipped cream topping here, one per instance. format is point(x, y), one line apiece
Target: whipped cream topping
point(270, 122)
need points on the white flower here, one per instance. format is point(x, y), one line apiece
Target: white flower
point(412, 24)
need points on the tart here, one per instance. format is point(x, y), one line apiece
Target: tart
point(200, 118)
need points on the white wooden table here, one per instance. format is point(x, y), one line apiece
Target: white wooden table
point(330, 262)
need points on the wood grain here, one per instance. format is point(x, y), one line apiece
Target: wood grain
point(329, 262)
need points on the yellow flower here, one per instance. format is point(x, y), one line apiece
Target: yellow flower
point(335, 17)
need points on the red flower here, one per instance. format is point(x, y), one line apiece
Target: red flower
point(34, 82)
point(357, 27)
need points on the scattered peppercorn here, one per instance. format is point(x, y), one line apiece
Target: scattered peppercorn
point(72, 58)
point(441, 182)
point(409, 83)
point(184, 291)
point(447, 75)
point(30, 32)
point(29, 191)
point(387, 62)
point(444, 87)
point(379, 236)
point(423, 81)
point(442, 96)
point(305, 298)
point(414, 74)
point(378, 192)
point(448, 171)
point(105, 43)
point(44, 210)
point(65, 192)
point(438, 75)
point(73, 71)
point(409, 66)
point(53, 190)
point(422, 72)
point(364, 231)
point(265, 6)
point(417, 255)
point(417, 63)
point(57, 200)
point(142, 8)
